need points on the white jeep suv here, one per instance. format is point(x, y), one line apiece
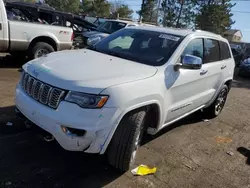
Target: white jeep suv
point(137, 80)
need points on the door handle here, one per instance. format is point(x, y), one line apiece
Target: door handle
point(0, 26)
point(224, 66)
point(203, 72)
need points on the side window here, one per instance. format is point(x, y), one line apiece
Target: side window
point(195, 48)
point(212, 51)
point(224, 51)
point(121, 42)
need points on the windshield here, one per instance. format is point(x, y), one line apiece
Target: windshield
point(110, 27)
point(143, 46)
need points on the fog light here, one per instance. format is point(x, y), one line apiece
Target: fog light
point(64, 129)
point(72, 131)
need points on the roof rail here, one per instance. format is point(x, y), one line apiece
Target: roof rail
point(199, 30)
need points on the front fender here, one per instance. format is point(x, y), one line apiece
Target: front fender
point(123, 113)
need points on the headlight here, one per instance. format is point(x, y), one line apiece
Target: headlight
point(94, 40)
point(86, 100)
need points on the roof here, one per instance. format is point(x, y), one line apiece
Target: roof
point(132, 22)
point(179, 32)
point(232, 31)
point(121, 21)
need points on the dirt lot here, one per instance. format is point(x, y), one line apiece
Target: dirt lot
point(190, 153)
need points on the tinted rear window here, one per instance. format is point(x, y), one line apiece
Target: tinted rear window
point(224, 51)
point(212, 51)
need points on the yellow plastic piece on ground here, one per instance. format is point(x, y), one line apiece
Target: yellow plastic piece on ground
point(143, 170)
point(223, 139)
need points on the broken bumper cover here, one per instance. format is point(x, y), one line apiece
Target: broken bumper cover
point(97, 123)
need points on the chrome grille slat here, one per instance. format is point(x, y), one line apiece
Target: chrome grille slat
point(44, 94)
point(55, 97)
point(36, 90)
point(41, 92)
point(30, 85)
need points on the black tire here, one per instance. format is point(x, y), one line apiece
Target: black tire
point(39, 49)
point(123, 144)
point(214, 110)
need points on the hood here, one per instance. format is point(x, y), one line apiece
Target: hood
point(245, 63)
point(86, 71)
point(94, 33)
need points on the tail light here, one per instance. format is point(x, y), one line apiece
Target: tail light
point(72, 36)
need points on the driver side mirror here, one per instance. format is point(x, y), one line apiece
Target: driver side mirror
point(189, 62)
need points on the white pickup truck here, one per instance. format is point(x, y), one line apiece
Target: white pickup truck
point(27, 38)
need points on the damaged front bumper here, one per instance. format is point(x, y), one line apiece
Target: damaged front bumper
point(75, 128)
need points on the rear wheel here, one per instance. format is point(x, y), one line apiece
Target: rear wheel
point(217, 106)
point(40, 49)
point(126, 140)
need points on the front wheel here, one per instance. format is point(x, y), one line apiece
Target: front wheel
point(126, 140)
point(217, 106)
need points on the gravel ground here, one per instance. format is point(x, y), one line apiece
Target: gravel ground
point(190, 153)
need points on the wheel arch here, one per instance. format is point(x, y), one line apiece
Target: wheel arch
point(46, 39)
point(228, 82)
point(150, 105)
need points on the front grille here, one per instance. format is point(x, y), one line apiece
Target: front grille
point(41, 92)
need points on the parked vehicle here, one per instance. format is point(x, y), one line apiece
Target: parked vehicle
point(137, 80)
point(105, 29)
point(44, 14)
point(95, 20)
point(244, 69)
point(238, 56)
point(80, 25)
point(21, 37)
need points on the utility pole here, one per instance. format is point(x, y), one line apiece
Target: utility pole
point(142, 8)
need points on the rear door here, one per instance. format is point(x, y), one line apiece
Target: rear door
point(211, 69)
point(228, 63)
